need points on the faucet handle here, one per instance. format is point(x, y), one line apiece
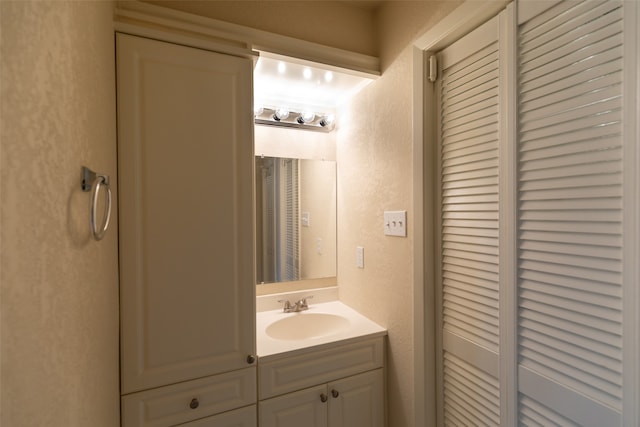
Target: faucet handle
point(287, 304)
point(302, 303)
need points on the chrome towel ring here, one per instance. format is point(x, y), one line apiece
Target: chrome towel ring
point(93, 182)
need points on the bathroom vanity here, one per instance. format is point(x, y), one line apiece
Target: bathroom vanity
point(324, 365)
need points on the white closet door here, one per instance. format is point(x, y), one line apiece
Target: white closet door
point(571, 219)
point(468, 97)
point(540, 238)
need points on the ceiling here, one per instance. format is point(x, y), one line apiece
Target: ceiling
point(297, 85)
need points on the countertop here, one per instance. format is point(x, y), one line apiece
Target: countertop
point(359, 327)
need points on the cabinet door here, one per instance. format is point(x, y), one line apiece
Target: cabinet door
point(243, 417)
point(302, 408)
point(185, 156)
point(357, 401)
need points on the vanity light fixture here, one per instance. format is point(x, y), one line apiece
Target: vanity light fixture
point(296, 118)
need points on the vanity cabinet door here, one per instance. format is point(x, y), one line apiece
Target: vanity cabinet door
point(306, 408)
point(357, 401)
point(244, 417)
point(185, 159)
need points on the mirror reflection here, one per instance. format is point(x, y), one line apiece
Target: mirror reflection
point(295, 219)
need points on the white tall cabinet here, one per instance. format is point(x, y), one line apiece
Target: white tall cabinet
point(185, 155)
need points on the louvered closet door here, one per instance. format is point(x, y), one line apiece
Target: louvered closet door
point(570, 196)
point(468, 94)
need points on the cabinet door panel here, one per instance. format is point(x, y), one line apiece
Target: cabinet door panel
point(243, 417)
point(357, 401)
point(290, 373)
point(302, 408)
point(185, 156)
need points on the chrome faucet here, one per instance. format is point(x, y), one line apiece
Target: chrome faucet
point(299, 305)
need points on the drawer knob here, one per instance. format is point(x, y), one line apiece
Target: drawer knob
point(250, 359)
point(335, 393)
point(194, 403)
point(323, 398)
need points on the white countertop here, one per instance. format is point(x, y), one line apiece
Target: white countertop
point(359, 326)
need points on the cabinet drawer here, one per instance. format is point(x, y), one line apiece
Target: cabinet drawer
point(183, 402)
point(243, 417)
point(289, 373)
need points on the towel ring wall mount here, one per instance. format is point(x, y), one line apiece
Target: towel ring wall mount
point(93, 182)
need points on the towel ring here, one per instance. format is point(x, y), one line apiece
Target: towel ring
point(93, 182)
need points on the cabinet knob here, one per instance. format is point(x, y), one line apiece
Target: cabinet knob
point(251, 359)
point(335, 393)
point(323, 398)
point(194, 403)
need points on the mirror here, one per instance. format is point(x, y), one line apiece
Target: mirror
point(295, 219)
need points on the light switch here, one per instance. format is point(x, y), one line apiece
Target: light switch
point(395, 223)
point(360, 257)
point(306, 220)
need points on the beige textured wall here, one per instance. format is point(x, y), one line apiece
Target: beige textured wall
point(325, 22)
point(375, 173)
point(59, 288)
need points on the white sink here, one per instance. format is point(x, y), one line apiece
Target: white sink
point(302, 326)
point(322, 324)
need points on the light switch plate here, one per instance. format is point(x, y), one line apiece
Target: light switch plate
point(395, 223)
point(359, 256)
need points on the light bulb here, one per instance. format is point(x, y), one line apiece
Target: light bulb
point(327, 120)
point(282, 67)
point(280, 114)
point(306, 117)
point(306, 73)
point(328, 76)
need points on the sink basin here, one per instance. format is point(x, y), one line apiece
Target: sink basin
point(301, 326)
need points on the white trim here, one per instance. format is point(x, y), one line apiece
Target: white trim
point(181, 39)
point(461, 21)
point(424, 162)
point(421, 347)
point(508, 220)
point(464, 19)
point(202, 29)
point(436, 100)
point(631, 222)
